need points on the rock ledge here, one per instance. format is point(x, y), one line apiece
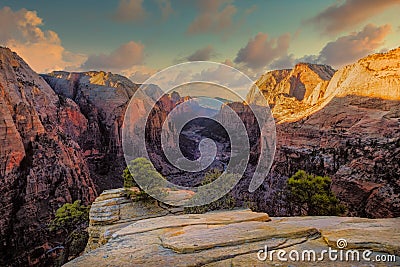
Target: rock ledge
point(166, 237)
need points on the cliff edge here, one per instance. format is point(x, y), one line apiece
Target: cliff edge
point(225, 238)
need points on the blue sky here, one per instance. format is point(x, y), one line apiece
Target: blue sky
point(137, 38)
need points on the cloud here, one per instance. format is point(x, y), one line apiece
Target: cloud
point(124, 57)
point(130, 10)
point(139, 74)
point(165, 7)
point(21, 31)
point(203, 54)
point(347, 49)
point(261, 50)
point(284, 62)
point(315, 59)
point(338, 17)
point(215, 16)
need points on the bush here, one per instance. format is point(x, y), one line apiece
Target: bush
point(69, 216)
point(312, 195)
point(71, 219)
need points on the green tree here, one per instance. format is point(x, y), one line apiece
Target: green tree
point(141, 169)
point(71, 220)
point(128, 179)
point(312, 195)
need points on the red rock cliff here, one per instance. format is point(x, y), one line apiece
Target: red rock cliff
point(41, 166)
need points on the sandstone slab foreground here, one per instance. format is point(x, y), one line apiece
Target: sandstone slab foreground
point(167, 237)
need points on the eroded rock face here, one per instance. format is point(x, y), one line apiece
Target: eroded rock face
point(41, 166)
point(102, 99)
point(375, 76)
point(300, 92)
point(233, 238)
point(293, 93)
point(354, 138)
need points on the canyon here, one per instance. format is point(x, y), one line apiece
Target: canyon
point(60, 140)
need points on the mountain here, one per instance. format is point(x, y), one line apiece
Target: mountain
point(102, 98)
point(376, 76)
point(293, 93)
point(41, 163)
point(305, 89)
point(352, 134)
point(60, 140)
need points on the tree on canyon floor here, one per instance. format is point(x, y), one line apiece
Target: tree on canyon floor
point(312, 195)
point(71, 220)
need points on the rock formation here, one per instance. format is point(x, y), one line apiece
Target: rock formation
point(58, 143)
point(230, 238)
point(102, 98)
point(61, 142)
point(115, 209)
point(41, 165)
point(293, 93)
point(354, 138)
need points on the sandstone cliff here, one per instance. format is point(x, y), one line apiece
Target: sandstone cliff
point(102, 98)
point(41, 166)
point(292, 93)
point(352, 135)
point(375, 76)
point(297, 93)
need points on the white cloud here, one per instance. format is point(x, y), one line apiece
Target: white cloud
point(348, 48)
point(344, 50)
point(343, 15)
point(22, 33)
point(138, 74)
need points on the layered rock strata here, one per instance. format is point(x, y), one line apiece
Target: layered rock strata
point(234, 238)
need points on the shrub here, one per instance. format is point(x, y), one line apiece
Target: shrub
point(71, 219)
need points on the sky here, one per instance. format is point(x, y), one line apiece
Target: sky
point(137, 38)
